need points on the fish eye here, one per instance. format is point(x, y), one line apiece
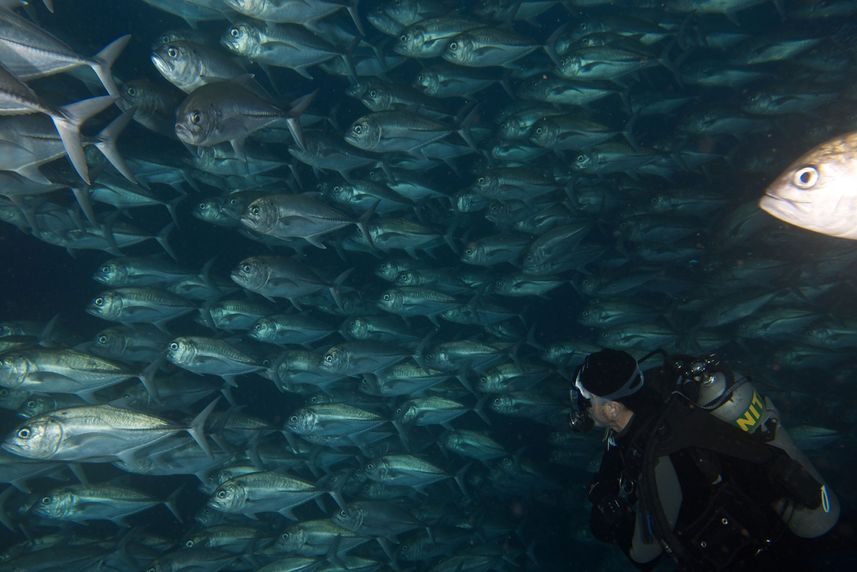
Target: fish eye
point(152, 569)
point(246, 268)
point(387, 297)
point(806, 178)
point(258, 327)
point(99, 301)
point(293, 419)
point(337, 188)
point(468, 252)
point(540, 130)
point(328, 358)
point(102, 339)
point(189, 544)
point(106, 269)
point(357, 129)
point(581, 159)
point(174, 346)
point(453, 46)
point(131, 91)
point(373, 93)
point(222, 494)
point(343, 513)
point(46, 500)
point(172, 52)
point(234, 32)
point(31, 403)
point(195, 117)
point(482, 180)
point(24, 433)
point(403, 38)
point(370, 467)
point(255, 211)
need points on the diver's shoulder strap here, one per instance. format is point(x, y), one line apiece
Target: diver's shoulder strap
point(682, 425)
point(686, 425)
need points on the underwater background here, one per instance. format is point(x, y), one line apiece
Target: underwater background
point(633, 224)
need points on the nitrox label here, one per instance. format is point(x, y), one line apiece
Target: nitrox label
point(750, 419)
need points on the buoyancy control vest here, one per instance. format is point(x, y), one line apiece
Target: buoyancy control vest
point(716, 412)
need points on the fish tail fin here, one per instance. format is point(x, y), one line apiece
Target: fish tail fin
point(170, 503)
point(299, 106)
point(355, 15)
point(81, 194)
point(68, 122)
point(106, 143)
point(104, 60)
point(197, 427)
point(163, 240)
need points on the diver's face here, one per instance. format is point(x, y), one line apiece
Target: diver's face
point(598, 412)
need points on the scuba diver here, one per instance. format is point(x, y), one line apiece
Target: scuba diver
point(697, 466)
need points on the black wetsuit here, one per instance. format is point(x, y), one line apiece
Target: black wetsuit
point(614, 494)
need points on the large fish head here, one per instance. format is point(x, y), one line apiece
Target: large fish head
point(292, 539)
point(36, 405)
point(231, 496)
point(584, 162)
point(472, 253)
point(334, 359)
point(339, 193)
point(108, 342)
point(138, 94)
point(817, 191)
point(388, 270)
point(251, 273)
point(242, 38)
point(247, 7)
point(428, 81)
point(260, 215)
point(107, 305)
point(37, 438)
point(208, 210)
point(111, 273)
point(376, 470)
point(364, 134)
point(391, 300)
point(350, 518)
point(356, 328)
point(460, 50)
point(377, 98)
point(303, 422)
point(488, 382)
point(263, 330)
point(514, 129)
point(571, 65)
point(410, 40)
point(503, 404)
point(408, 278)
point(485, 184)
point(544, 133)
point(177, 62)
point(407, 413)
point(181, 350)
point(14, 369)
point(56, 505)
point(195, 124)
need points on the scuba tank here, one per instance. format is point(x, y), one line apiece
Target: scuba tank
point(733, 399)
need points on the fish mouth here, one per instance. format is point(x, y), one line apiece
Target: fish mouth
point(160, 63)
point(184, 134)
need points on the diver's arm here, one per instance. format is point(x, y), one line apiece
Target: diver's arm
point(643, 547)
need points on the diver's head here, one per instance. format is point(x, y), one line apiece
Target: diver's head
point(604, 389)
